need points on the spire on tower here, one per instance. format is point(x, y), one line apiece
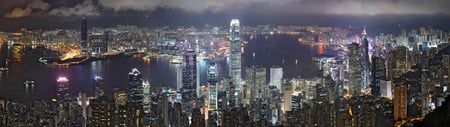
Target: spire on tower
point(364, 33)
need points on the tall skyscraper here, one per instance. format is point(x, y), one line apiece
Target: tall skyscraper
point(98, 86)
point(355, 68)
point(212, 84)
point(63, 92)
point(365, 60)
point(83, 43)
point(256, 82)
point(400, 101)
point(378, 74)
point(189, 80)
point(147, 97)
point(135, 88)
point(276, 74)
point(235, 54)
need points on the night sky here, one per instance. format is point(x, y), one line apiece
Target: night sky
point(51, 14)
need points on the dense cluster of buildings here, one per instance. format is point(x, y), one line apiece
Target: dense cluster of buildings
point(383, 81)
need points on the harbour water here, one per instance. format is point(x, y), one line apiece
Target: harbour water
point(261, 50)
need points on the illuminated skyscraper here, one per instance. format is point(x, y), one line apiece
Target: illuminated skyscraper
point(98, 86)
point(63, 92)
point(135, 88)
point(256, 82)
point(212, 83)
point(147, 97)
point(355, 70)
point(189, 80)
point(235, 54)
point(99, 43)
point(120, 113)
point(102, 112)
point(276, 74)
point(400, 101)
point(83, 43)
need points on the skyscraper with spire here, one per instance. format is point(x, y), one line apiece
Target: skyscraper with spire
point(365, 60)
point(235, 54)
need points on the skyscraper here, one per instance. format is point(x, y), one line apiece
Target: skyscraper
point(189, 80)
point(98, 86)
point(212, 84)
point(63, 89)
point(235, 54)
point(355, 70)
point(276, 74)
point(365, 60)
point(83, 43)
point(147, 96)
point(135, 88)
point(256, 82)
point(99, 43)
point(102, 112)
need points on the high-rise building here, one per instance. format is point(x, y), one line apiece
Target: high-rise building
point(276, 74)
point(102, 112)
point(99, 43)
point(400, 102)
point(63, 92)
point(256, 82)
point(98, 86)
point(378, 74)
point(189, 80)
point(120, 112)
point(147, 97)
point(84, 34)
point(212, 84)
point(135, 88)
point(365, 62)
point(355, 70)
point(235, 54)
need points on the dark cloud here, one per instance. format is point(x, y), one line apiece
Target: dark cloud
point(34, 5)
point(86, 8)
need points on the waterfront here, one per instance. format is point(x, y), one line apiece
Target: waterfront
point(275, 50)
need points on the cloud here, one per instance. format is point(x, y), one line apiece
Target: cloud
point(37, 5)
point(86, 8)
point(352, 7)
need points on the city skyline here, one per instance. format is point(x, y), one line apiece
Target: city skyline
point(197, 63)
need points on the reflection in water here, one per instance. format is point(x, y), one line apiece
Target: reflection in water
point(159, 72)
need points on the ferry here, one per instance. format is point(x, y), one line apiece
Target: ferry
point(29, 83)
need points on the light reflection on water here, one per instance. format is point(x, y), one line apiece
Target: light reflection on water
point(268, 52)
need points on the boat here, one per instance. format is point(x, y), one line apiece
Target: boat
point(29, 83)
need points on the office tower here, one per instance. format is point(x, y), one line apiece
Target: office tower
point(84, 35)
point(400, 102)
point(120, 113)
point(399, 62)
point(378, 74)
point(235, 54)
point(355, 68)
point(179, 74)
point(256, 82)
point(197, 62)
point(99, 43)
point(365, 61)
point(98, 86)
point(102, 112)
point(189, 87)
point(135, 88)
point(286, 101)
point(212, 84)
point(135, 97)
point(276, 74)
point(63, 92)
point(147, 97)
point(386, 89)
